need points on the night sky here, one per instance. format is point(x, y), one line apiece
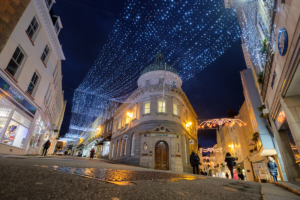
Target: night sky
point(212, 92)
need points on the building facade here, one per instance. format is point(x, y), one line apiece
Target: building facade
point(155, 129)
point(32, 103)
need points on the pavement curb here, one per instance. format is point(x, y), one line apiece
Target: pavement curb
point(288, 187)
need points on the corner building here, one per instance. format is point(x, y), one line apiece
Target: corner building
point(153, 129)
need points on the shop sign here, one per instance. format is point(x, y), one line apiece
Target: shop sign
point(6, 89)
point(282, 41)
point(161, 135)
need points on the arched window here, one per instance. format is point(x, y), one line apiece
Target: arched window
point(132, 144)
point(112, 150)
point(117, 149)
point(121, 150)
point(125, 141)
point(185, 141)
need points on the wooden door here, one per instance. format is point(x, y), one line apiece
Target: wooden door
point(161, 155)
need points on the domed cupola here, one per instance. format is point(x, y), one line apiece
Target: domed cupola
point(159, 65)
point(155, 73)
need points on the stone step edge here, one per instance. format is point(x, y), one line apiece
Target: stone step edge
point(287, 187)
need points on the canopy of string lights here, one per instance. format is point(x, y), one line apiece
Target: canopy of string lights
point(213, 123)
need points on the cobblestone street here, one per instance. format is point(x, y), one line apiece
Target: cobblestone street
point(66, 178)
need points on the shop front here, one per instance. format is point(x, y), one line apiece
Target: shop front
point(16, 120)
point(88, 148)
point(37, 137)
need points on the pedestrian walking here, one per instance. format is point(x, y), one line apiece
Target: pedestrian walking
point(227, 175)
point(46, 147)
point(273, 168)
point(195, 162)
point(92, 152)
point(241, 176)
point(230, 163)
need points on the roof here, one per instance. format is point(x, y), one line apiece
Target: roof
point(159, 65)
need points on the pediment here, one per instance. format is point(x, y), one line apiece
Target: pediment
point(161, 129)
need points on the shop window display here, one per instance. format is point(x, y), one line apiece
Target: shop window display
point(16, 131)
point(37, 133)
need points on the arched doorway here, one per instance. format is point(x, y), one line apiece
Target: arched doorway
point(162, 155)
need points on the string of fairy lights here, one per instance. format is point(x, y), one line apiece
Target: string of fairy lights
point(190, 34)
point(252, 35)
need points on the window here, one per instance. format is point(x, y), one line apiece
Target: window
point(147, 108)
point(16, 61)
point(45, 53)
point(112, 150)
point(134, 112)
point(125, 141)
point(177, 146)
point(33, 84)
point(117, 148)
point(33, 28)
point(120, 123)
point(147, 82)
point(57, 27)
point(145, 146)
point(175, 109)
point(121, 147)
point(132, 144)
point(127, 119)
point(49, 4)
point(183, 116)
point(17, 130)
point(161, 81)
point(161, 106)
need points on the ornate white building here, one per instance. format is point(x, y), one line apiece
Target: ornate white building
point(153, 129)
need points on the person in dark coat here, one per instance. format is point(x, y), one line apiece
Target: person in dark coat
point(241, 176)
point(46, 147)
point(229, 160)
point(92, 152)
point(273, 168)
point(227, 175)
point(195, 162)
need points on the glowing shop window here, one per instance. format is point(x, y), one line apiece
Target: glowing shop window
point(161, 106)
point(15, 134)
point(4, 112)
point(147, 107)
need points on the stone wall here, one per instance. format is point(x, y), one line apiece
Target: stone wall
point(10, 13)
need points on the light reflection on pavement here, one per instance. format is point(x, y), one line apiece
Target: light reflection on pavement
point(123, 177)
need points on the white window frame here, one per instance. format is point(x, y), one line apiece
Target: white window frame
point(37, 30)
point(49, 6)
point(35, 85)
point(59, 24)
point(46, 53)
point(146, 102)
point(177, 105)
point(132, 144)
point(134, 112)
point(164, 105)
point(19, 65)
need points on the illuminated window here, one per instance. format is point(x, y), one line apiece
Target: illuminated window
point(175, 109)
point(161, 106)
point(134, 112)
point(145, 146)
point(147, 108)
point(120, 123)
point(127, 119)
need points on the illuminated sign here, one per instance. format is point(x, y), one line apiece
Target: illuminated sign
point(7, 90)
